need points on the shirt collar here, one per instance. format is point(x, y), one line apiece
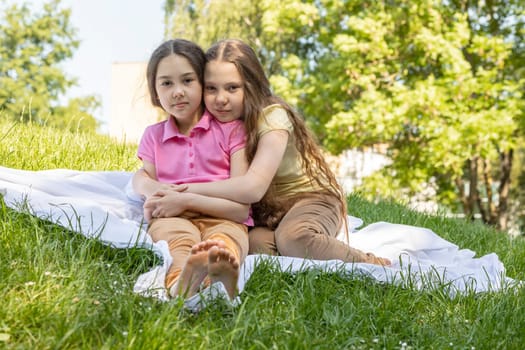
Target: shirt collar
point(171, 130)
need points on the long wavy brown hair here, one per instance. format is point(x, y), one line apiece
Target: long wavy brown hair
point(257, 95)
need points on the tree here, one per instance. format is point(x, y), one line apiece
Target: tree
point(275, 29)
point(32, 47)
point(439, 90)
point(438, 84)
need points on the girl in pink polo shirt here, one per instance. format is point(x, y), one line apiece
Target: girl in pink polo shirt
point(300, 207)
point(206, 236)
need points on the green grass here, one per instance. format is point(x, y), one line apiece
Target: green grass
point(63, 291)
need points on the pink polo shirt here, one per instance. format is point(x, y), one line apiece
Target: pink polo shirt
point(202, 156)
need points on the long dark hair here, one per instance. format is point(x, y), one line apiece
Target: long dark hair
point(182, 47)
point(258, 95)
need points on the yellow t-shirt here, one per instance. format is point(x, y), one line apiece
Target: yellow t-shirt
point(291, 177)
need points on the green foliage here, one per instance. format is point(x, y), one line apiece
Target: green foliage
point(437, 90)
point(32, 47)
point(274, 28)
point(438, 84)
point(77, 115)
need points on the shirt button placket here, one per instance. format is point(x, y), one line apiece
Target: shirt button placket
point(191, 155)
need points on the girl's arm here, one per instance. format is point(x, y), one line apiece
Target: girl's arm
point(169, 203)
point(144, 180)
point(145, 183)
point(250, 187)
point(173, 203)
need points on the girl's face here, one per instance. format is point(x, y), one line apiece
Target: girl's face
point(223, 91)
point(179, 90)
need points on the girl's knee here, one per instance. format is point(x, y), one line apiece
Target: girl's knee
point(262, 241)
point(297, 242)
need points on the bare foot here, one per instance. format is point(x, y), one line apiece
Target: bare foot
point(195, 269)
point(223, 267)
point(372, 259)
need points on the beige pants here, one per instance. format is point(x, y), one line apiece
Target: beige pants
point(182, 234)
point(307, 230)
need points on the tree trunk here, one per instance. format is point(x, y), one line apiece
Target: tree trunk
point(504, 186)
point(492, 210)
point(473, 195)
point(460, 185)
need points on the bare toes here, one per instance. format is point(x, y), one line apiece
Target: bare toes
point(205, 246)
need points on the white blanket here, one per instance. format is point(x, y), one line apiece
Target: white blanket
point(100, 205)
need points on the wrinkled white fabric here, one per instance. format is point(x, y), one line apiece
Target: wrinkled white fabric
point(101, 205)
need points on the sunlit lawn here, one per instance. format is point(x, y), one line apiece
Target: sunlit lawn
point(63, 291)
